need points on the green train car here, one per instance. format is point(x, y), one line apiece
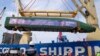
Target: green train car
point(47, 24)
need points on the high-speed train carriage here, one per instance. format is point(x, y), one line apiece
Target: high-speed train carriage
point(47, 24)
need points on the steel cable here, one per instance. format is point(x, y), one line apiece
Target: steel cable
point(27, 4)
point(69, 5)
point(32, 4)
point(65, 5)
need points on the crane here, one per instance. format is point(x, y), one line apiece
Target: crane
point(2, 13)
point(90, 17)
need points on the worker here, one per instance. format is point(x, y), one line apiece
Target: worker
point(69, 53)
point(31, 51)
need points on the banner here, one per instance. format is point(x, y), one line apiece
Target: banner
point(90, 48)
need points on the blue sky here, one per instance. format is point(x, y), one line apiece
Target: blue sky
point(41, 36)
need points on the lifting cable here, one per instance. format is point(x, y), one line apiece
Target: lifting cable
point(65, 5)
point(27, 4)
point(73, 6)
point(32, 4)
point(21, 4)
point(70, 6)
point(47, 3)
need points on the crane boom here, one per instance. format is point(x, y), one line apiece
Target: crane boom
point(2, 13)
